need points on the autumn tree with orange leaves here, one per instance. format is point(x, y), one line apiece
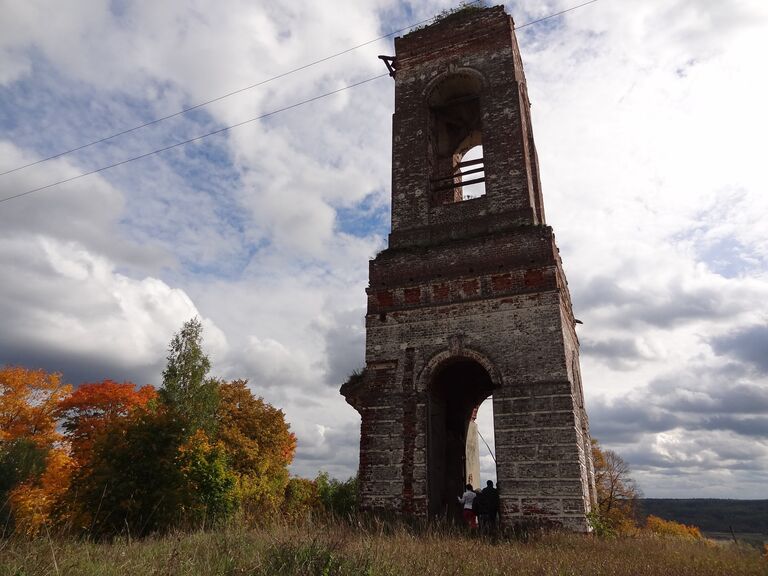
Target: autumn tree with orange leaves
point(34, 467)
point(154, 464)
point(139, 460)
point(28, 404)
point(186, 458)
point(41, 502)
point(92, 408)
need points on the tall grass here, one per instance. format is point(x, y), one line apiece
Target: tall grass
point(340, 548)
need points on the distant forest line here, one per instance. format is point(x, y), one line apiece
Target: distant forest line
point(711, 514)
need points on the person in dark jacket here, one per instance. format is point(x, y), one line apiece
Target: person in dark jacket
point(481, 510)
point(489, 507)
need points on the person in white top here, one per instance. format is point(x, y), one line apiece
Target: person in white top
point(466, 500)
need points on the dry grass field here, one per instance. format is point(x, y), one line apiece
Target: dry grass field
point(337, 548)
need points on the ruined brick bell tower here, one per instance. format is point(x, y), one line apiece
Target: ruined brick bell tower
point(469, 300)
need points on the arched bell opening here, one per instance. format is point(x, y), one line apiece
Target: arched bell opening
point(457, 388)
point(455, 130)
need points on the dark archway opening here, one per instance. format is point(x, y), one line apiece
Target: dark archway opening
point(458, 387)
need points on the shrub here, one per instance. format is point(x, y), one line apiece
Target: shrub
point(301, 499)
point(338, 498)
point(663, 527)
point(600, 527)
point(38, 504)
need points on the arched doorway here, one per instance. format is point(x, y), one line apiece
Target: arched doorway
point(458, 386)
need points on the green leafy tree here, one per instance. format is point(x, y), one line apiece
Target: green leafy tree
point(146, 474)
point(186, 391)
point(159, 465)
point(133, 481)
point(211, 484)
point(337, 497)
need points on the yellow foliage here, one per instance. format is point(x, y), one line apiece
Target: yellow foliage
point(663, 527)
point(626, 526)
point(617, 493)
point(211, 484)
point(261, 496)
point(197, 443)
point(37, 504)
point(302, 499)
point(260, 447)
point(255, 434)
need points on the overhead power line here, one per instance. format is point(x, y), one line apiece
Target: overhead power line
point(261, 83)
point(222, 97)
point(196, 138)
point(230, 127)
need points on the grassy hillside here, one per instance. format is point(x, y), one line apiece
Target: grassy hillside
point(338, 549)
point(712, 515)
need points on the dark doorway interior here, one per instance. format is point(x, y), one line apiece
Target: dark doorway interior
point(457, 388)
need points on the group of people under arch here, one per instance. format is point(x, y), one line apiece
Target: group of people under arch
point(480, 509)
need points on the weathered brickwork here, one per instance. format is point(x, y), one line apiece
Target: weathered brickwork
point(470, 298)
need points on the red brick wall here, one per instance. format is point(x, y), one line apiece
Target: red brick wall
point(479, 279)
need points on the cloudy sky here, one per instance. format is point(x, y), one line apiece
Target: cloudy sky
point(650, 122)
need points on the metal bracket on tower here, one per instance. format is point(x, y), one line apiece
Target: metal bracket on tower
point(391, 63)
